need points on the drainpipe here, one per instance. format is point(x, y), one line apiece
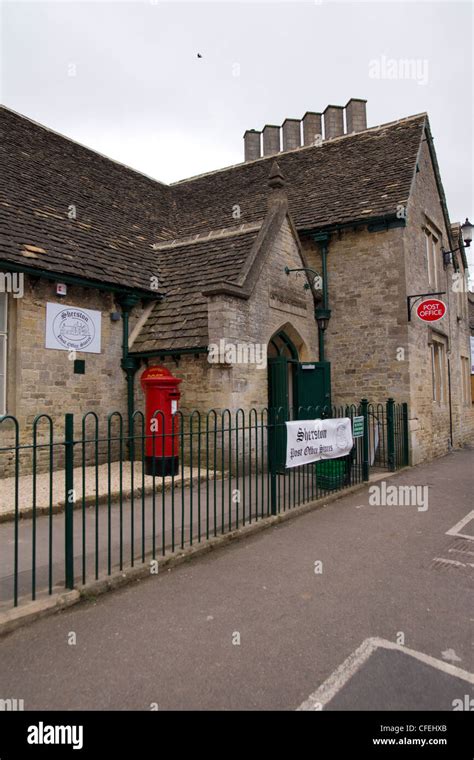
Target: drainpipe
point(323, 313)
point(451, 438)
point(129, 364)
point(320, 341)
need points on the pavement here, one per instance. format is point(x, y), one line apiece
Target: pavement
point(46, 492)
point(369, 606)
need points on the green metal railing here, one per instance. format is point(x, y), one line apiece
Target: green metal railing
point(77, 505)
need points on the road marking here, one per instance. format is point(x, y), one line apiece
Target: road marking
point(460, 525)
point(461, 551)
point(449, 561)
point(332, 685)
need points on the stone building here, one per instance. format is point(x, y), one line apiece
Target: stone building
point(281, 280)
point(470, 296)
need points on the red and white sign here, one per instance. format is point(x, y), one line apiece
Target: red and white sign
point(431, 310)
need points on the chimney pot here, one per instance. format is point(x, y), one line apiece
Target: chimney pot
point(356, 116)
point(333, 121)
point(312, 127)
point(252, 144)
point(271, 139)
point(291, 129)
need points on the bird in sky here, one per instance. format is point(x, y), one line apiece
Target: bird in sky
point(199, 55)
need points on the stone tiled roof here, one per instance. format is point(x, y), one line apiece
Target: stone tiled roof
point(120, 213)
point(126, 222)
point(189, 267)
point(354, 177)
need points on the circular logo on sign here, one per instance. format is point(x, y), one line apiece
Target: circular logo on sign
point(341, 438)
point(72, 328)
point(431, 310)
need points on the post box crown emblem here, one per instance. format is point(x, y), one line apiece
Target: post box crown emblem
point(158, 374)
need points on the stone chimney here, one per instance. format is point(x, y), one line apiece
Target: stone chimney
point(252, 144)
point(333, 122)
point(333, 117)
point(356, 116)
point(312, 127)
point(271, 139)
point(291, 129)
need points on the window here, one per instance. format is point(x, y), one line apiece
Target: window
point(465, 380)
point(432, 256)
point(461, 298)
point(463, 289)
point(3, 352)
point(428, 255)
point(438, 369)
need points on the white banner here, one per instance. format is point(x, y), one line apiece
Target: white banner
point(472, 354)
point(312, 440)
point(71, 328)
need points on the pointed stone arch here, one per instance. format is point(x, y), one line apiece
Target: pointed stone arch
point(287, 336)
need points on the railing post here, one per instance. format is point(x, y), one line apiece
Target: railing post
point(273, 457)
point(364, 408)
point(391, 434)
point(69, 501)
point(406, 438)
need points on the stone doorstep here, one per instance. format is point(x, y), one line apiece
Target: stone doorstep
point(30, 611)
point(90, 499)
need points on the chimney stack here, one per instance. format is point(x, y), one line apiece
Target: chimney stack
point(291, 134)
point(356, 116)
point(333, 122)
point(252, 144)
point(271, 139)
point(312, 127)
point(333, 117)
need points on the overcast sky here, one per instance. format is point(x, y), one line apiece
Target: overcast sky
point(124, 78)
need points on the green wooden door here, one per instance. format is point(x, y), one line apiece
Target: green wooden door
point(312, 387)
point(278, 403)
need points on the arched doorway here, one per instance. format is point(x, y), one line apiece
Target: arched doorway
point(296, 390)
point(282, 360)
point(295, 386)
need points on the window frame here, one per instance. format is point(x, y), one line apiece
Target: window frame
point(433, 253)
point(465, 380)
point(428, 254)
point(439, 369)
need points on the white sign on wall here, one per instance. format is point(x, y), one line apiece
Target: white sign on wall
point(472, 354)
point(70, 327)
point(312, 440)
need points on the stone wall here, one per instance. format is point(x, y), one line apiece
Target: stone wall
point(366, 285)
point(430, 420)
point(278, 301)
point(42, 381)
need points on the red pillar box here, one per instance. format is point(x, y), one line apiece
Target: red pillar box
point(161, 394)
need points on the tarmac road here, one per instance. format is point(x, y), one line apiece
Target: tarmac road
point(252, 626)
